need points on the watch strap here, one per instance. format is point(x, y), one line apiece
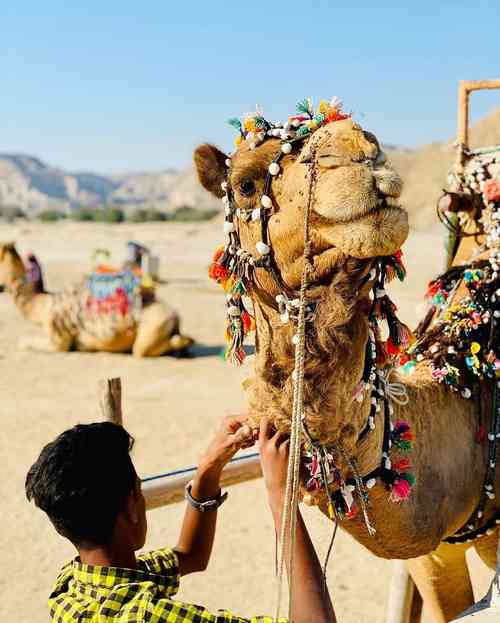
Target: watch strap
point(207, 505)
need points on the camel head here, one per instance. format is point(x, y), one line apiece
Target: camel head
point(11, 264)
point(355, 211)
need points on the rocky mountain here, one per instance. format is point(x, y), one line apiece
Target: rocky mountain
point(32, 185)
point(424, 170)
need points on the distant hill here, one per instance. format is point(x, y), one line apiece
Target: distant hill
point(32, 185)
point(424, 170)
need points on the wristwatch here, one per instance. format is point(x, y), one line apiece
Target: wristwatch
point(206, 505)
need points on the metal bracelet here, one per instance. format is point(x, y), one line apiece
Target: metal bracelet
point(206, 505)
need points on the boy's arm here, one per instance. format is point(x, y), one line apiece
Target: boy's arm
point(311, 599)
point(198, 529)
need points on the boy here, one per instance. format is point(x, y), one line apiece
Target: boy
point(86, 483)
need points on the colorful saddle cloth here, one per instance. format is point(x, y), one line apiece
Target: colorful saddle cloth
point(113, 293)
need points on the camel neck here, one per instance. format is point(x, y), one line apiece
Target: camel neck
point(26, 299)
point(334, 367)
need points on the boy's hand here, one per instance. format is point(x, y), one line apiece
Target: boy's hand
point(232, 435)
point(274, 449)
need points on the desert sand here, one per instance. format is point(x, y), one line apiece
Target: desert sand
point(171, 406)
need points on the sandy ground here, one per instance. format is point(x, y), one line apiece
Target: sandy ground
point(171, 406)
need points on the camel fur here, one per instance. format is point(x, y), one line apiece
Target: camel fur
point(155, 332)
point(355, 218)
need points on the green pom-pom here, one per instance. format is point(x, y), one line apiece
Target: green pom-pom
point(410, 479)
point(319, 118)
point(403, 445)
point(235, 123)
point(260, 123)
point(305, 107)
point(239, 288)
point(303, 131)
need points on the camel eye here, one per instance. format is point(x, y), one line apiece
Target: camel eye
point(247, 188)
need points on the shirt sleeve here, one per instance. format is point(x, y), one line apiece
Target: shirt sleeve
point(180, 612)
point(163, 562)
point(224, 616)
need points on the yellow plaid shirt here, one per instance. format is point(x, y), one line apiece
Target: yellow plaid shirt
point(115, 595)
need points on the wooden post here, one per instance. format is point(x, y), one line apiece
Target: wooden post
point(464, 89)
point(110, 400)
point(400, 594)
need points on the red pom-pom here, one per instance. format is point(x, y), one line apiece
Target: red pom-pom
point(217, 272)
point(336, 116)
point(353, 512)
point(402, 465)
point(247, 322)
point(391, 348)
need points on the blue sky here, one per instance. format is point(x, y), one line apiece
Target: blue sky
point(120, 86)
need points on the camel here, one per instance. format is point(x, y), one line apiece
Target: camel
point(73, 320)
point(355, 219)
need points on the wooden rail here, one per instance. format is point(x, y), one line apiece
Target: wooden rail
point(169, 488)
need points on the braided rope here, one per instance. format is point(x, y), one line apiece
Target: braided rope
point(290, 507)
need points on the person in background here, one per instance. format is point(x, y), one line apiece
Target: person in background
point(34, 273)
point(135, 253)
point(87, 484)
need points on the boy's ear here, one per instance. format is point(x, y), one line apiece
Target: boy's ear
point(210, 165)
point(132, 508)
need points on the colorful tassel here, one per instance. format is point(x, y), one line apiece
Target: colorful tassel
point(402, 437)
point(400, 491)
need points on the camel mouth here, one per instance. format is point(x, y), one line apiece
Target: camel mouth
point(382, 230)
point(386, 204)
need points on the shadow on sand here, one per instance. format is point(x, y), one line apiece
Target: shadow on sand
point(197, 351)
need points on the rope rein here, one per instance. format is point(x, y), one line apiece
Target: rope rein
point(291, 502)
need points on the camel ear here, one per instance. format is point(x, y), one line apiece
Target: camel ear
point(5, 247)
point(210, 164)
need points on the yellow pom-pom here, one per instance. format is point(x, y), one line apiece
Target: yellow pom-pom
point(229, 284)
point(238, 140)
point(324, 107)
point(312, 125)
point(147, 282)
point(475, 348)
point(249, 124)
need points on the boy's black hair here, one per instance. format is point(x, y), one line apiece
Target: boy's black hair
point(82, 480)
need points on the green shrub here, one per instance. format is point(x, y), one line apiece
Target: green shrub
point(109, 214)
point(145, 215)
point(106, 214)
point(83, 214)
point(187, 214)
point(50, 216)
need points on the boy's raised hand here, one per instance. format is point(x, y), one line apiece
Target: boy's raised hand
point(233, 435)
point(274, 449)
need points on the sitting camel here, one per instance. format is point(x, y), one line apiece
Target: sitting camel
point(355, 227)
point(102, 313)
